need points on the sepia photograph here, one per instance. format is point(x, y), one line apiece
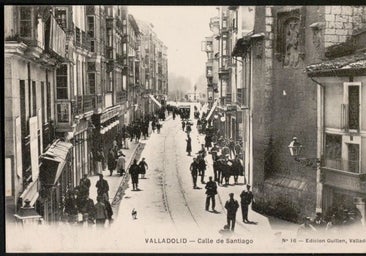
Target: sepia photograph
point(185, 129)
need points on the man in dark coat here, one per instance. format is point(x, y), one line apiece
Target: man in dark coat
point(134, 172)
point(208, 141)
point(211, 191)
point(237, 168)
point(189, 145)
point(102, 186)
point(246, 200)
point(112, 160)
point(84, 185)
point(201, 168)
point(183, 124)
point(194, 172)
point(143, 167)
point(231, 206)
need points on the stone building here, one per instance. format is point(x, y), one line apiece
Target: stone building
point(284, 41)
point(341, 82)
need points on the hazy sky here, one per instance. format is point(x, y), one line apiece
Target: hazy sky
point(181, 28)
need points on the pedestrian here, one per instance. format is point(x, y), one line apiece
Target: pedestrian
point(121, 163)
point(194, 172)
point(246, 200)
point(158, 127)
point(214, 150)
point(173, 115)
point(208, 141)
point(226, 170)
point(188, 128)
point(201, 167)
point(134, 172)
point(216, 166)
point(108, 207)
point(202, 151)
point(143, 167)
point(231, 146)
point(237, 168)
point(211, 191)
point(183, 124)
point(153, 126)
point(100, 212)
point(238, 150)
point(111, 161)
point(70, 207)
point(189, 145)
point(231, 206)
point(99, 157)
point(102, 186)
point(88, 210)
point(84, 186)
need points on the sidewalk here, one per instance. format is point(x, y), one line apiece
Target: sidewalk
point(115, 180)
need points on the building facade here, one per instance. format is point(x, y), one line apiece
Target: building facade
point(262, 58)
point(72, 79)
point(341, 84)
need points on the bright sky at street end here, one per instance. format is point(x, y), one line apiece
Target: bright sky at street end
point(182, 29)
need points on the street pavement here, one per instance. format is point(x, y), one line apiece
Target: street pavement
point(167, 204)
point(115, 180)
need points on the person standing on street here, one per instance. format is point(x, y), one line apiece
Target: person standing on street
point(102, 186)
point(201, 167)
point(134, 172)
point(84, 185)
point(111, 160)
point(121, 162)
point(246, 200)
point(231, 206)
point(194, 172)
point(99, 158)
point(183, 124)
point(211, 191)
point(143, 167)
point(189, 145)
point(237, 168)
point(100, 212)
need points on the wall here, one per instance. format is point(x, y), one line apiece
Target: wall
point(340, 21)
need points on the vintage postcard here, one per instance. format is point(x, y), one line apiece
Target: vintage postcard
point(198, 129)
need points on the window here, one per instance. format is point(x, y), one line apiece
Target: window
point(60, 15)
point(354, 107)
point(109, 37)
point(25, 21)
point(91, 26)
point(34, 99)
point(333, 151)
point(353, 158)
point(44, 102)
point(351, 109)
point(61, 82)
point(92, 46)
point(91, 80)
point(77, 36)
point(48, 101)
point(63, 112)
point(23, 116)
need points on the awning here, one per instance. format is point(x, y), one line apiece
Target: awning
point(155, 100)
point(30, 193)
point(53, 162)
point(212, 110)
point(241, 46)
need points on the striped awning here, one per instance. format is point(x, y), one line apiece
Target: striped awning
point(155, 100)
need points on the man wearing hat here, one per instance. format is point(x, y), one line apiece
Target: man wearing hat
point(211, 191)
point(231, 206)
point(121, 162)
point(246, 200)
point(194, 172)
point(102, 186)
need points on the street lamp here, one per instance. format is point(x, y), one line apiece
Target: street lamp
point(295, 148)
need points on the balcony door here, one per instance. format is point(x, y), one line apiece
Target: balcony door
point(352, 101)
point(353, 158)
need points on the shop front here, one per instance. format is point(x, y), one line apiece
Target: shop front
point(106, 128)
point(55, 179)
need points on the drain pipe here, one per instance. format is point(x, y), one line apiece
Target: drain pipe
point(320, 143)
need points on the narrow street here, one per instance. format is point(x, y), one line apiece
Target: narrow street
point(167, 200)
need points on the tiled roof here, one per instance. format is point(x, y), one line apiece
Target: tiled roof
point(356, 61)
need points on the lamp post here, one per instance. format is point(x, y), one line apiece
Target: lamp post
point(295, 148)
